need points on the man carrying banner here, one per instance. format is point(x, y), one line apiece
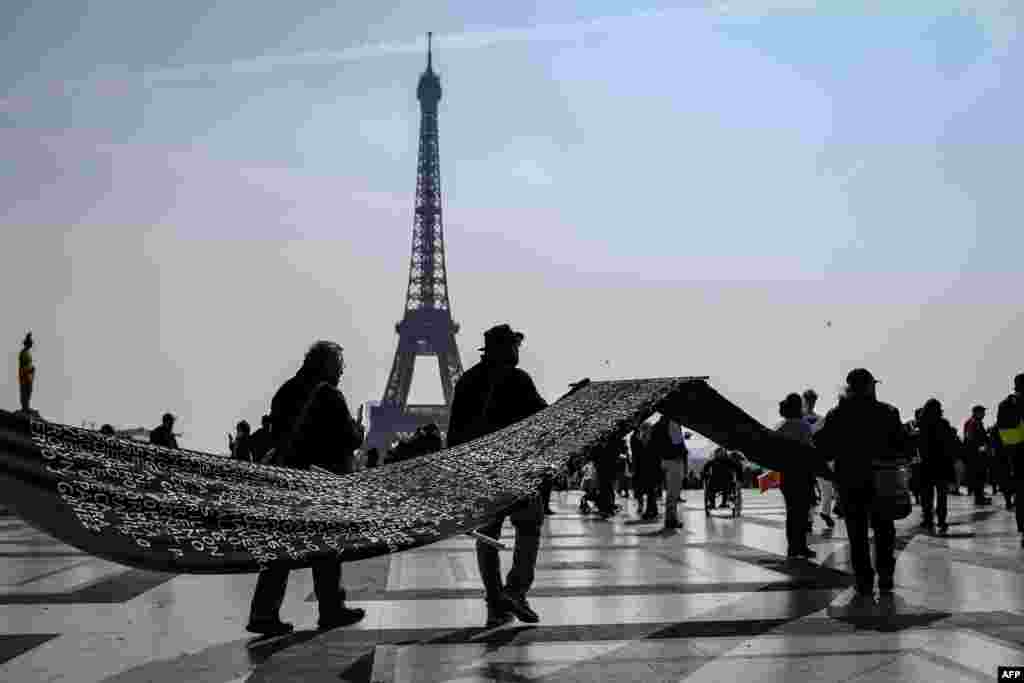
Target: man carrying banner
point(490, 396)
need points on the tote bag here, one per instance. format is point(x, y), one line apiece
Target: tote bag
point(892, 490)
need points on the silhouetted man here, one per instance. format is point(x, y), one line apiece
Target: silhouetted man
point(26, 373)
point(164, 434)
point(1010, 422)
point(490, 396)
point(262, 439)
point(976, 453)
point(815, 421)
point(240, 445)
point(312, 426)
point(858, 431)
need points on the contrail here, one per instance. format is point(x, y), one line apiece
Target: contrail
point(471, 40)
point(1001, 18)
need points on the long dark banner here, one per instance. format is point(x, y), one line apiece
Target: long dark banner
point(189, 512)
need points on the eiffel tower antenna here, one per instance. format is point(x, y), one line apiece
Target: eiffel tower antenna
point(426, 328)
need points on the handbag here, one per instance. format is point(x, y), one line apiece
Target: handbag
point(892, 490)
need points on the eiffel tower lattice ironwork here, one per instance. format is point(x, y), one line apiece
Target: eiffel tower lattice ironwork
point(426, 328)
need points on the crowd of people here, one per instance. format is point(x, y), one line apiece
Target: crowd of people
point(310, 425)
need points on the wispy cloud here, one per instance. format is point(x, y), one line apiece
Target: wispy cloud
point(1002, 19)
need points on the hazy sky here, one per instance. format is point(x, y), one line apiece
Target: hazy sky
point(192, 192)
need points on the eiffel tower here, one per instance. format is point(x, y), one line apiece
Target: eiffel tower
point(427, 328)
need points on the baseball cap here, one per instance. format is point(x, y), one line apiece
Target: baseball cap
point(859, 378)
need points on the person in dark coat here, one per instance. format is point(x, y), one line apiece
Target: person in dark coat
point(1010, 425)
point(858, 432)
point(490, 396)
point(240, 444)
point(262, 439)
point(1002, 473)
point(939, 448)
point(164, 434)
point(976, 454)
point(312, 426)
point(797, 483)
point(647, 472)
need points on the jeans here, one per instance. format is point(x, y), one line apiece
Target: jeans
point(860, 516)
point(545, 493)
point(673, 483)
point(828, 493)
point(645, 488)
point(978, 464)
point(25, 394)
point(1016, 458)
point(931, 488)
point(797, 506)
point(527, 519)
point(272, 583)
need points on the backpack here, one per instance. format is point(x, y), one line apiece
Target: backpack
point(1008, 415)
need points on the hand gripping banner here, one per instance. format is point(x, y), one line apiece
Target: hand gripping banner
point(189, 512)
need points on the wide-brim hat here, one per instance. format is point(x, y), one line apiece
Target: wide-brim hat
point(502, 334)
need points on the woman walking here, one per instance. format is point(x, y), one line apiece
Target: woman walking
point(797, 483)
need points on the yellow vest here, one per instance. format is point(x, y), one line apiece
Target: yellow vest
point(1012, 437)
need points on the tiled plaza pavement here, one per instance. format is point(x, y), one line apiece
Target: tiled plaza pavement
point(619, 601)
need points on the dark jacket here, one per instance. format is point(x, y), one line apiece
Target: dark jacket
point(939, 448)
point(797, 481)
point(975, 437)
point(243, 449)
point(514, 398)
point(260, 442)
point(329, 434)
point(162, 436)
point(858, 432)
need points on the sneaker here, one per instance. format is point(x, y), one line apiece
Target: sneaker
point(983, 501)
point(548, 511)
point(885, 586)
point(498, 616)
point(943, 529)
point(345, 616)
point(269, 627)
point(829, 522)
point(674, 524)
point(807, 552)
point(517, 605)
